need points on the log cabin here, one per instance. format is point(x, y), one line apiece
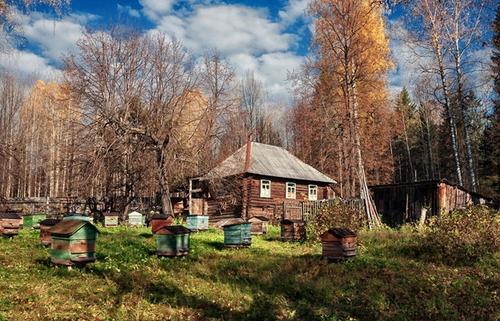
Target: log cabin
point(257, 180)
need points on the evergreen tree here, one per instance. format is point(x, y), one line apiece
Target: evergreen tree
point(491, 142)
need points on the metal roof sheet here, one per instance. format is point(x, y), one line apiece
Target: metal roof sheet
point(268, 160)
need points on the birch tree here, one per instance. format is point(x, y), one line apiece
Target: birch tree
point(444, 35)
point(353, 50)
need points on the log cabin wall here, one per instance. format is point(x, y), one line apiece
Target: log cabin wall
point(272, 207)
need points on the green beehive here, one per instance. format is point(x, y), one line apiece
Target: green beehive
point(237, 233)
point(33, 220)
point(73, 242)
point(172, 240)
point(197, 222)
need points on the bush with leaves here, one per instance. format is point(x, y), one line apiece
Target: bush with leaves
point(339, 214)
point(464, 237)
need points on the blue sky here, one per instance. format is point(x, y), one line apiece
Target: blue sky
point(269, 38)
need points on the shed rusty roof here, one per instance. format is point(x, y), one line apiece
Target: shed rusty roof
point(268, 160)
point(69, 227)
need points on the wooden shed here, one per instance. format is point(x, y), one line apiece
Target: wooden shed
point(413, 202)
point(160, 220)
point(255, 181)
point(9, 224)
point(260, 224)
point(73, 242)
point(135, 219)
point(338, 244)
point(293, 230)
point(172, 240)
point(45, 226)
point(237, 234)
point(111, 219)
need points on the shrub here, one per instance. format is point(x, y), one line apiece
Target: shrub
point(465, 236)
point(337, 214)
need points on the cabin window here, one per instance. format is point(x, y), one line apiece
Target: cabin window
point(313, 192)
point(265, 188)
point(290, 190)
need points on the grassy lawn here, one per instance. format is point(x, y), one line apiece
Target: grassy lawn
point(391, 278)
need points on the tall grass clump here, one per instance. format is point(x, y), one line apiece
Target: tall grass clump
point(464, 237)
point(334, 215)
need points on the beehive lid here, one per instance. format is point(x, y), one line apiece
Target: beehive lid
point(288, 221)
point(234, 222)
point(258, 218)
point(135, 214)
point(12, 216)
point(340, 232)
point(175, 229)
point(69, 227)
point(49, 222)
point(160, 216)
point(110, 214)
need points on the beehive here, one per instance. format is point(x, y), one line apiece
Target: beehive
point(110, 219)
point(45, 226)
point(135, 219)
point(293, 230)
point(73, 242)
point(237, 233)
point(338, 244)
point(172, 240)
point(197, 222)
point(160, 220)
point(259, 224)
point(9, 224)
point(32, 220)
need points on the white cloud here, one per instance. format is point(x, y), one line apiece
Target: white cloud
point(294, 11)
point(234, 29)
point(156, 9)
point(27, 63)
point(129, 10)
point(55, 38)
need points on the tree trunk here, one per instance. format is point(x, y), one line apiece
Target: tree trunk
point(166, 202)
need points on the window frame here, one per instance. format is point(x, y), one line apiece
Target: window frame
point(312, 187)
point(291, 185)
point(265, 192)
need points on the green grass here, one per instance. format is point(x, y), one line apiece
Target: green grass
point(390, 279)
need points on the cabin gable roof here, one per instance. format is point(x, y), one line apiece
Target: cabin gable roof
point(267, 160)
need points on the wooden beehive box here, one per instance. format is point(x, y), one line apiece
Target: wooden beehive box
point(237, 233)
point(135, 219)
point(160, 220)
point(9, 224)
point(197, 222)
point(111, 219)
point(172, 240)
point(338, 244)
point(32, 220)
point(73, 242)
point(259, 225)
point(293, 230)
point(45, 226)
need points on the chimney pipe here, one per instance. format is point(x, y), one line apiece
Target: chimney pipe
point(249, 153)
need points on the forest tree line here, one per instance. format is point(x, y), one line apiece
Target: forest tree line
point(133, 114)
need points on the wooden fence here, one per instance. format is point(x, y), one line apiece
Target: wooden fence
point(306, 210)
